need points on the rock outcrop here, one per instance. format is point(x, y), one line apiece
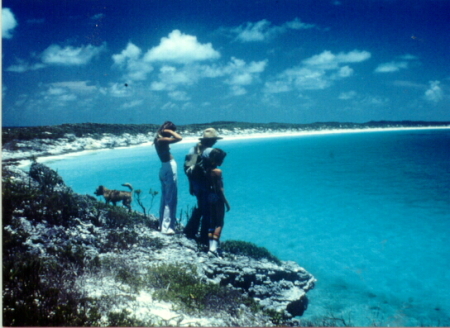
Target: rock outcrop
point(112, 252)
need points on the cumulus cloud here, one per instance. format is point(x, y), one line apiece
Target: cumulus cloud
point(23, 66)
point(131, 61)
point(241, 73)
point(9, 23)
point(236, 73)
point(317, 72)
point(391, 67)
point(434, 93)
point(181, 48)
point(328, 61)
point(69, 55)
point(58, 96)
point(264, 30)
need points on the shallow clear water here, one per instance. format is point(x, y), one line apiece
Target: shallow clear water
point(367, 213)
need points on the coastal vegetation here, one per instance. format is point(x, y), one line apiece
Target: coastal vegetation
point(53, 237)
point(97, 130)
point(45, 290)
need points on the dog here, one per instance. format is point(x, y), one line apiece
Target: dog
point(115, 196)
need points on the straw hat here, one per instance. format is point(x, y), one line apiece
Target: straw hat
point(210, 133)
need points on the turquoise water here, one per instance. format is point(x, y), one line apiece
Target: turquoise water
point(367, 213)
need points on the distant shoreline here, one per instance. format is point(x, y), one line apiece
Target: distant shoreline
point(235, 137)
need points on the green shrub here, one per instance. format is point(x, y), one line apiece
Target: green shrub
point(125, 319)
point(244, 248)
point(180, 285)
point(35, 295)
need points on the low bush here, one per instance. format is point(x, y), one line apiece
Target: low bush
point(244, 248)
point(181, 285)
point(40, 293)
point(125, 319)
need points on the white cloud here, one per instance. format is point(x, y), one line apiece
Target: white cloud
point(71, 55)
point(327, 60)
point(296, 24)
point(264, 30)
point(374, 101)
point(307, 79)
point(241, 73)
point(317, 72)
point(131, 61)
point(132, 104)
point(119, 90)
point(158, 86)
point(237, 90)
point(278, 86)
point(56, 91)
point(434, 92)
point(179, 95)
point(391, 67)
point(171, 76)
point(236, 73)
point(347, 95)
point(181, 48)
point(76, 86)
point(258, 31)
point(23, 66)
point(169, 106)
point(131, 52)
point(58, 96)
point(345, 71)
point(408, 57)
point(9, 23)
point(61, 94)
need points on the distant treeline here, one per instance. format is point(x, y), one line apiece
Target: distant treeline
point(96, 130)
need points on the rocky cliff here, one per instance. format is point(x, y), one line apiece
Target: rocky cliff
point(69, 259)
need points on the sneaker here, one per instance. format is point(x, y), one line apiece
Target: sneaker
point(214, 254)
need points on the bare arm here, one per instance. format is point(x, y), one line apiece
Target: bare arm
point(218, 186)
point(174, 137)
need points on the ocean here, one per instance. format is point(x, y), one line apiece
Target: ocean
point(367, 213)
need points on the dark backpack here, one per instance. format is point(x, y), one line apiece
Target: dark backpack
point(193, 166)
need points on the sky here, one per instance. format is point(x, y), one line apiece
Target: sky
point(261, 61)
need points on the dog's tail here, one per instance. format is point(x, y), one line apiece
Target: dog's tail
point(128, 185)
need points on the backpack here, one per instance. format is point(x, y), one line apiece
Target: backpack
point(193, 166)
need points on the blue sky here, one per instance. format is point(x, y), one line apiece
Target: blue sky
point(147, 61)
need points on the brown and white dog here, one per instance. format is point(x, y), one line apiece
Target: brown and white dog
point(115, 196)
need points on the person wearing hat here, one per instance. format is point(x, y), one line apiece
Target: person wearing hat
point(198, 186)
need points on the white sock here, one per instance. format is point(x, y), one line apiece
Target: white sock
point(213, 245)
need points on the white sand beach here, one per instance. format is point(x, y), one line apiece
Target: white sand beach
point(90, 145)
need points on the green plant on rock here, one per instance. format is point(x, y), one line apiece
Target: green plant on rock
point(244, 248)
point(181, 285)
point(125, 319)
